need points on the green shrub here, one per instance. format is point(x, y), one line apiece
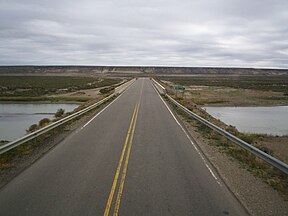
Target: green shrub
point(59, 113)
point(32, 128)
point(43, 122)
point(106, 90)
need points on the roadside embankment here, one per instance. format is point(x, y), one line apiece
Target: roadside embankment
point(261, 188)
point(15, 160)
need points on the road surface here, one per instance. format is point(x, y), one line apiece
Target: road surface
point(131, 159)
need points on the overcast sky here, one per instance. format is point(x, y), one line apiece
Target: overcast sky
point(237, 33)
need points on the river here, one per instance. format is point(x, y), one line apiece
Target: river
point(268, 120)
point(15, 118)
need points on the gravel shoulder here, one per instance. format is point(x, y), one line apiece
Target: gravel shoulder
point(255, 195)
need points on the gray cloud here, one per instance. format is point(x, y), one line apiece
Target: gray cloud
point(237, 33)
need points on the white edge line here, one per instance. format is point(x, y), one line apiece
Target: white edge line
point(105, 108)
point(205, 162)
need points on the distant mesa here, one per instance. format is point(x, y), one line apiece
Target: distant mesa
point(133, 70)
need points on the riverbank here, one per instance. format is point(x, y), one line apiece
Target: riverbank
point(17, 159)
point(273, 145)
point(223, 96)
point(258, 119)
point(52, 89)
point(232, 91)
point(35, 90)
point(252, 189)
point(16, 118)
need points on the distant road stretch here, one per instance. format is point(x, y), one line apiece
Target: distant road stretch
point(134, 158)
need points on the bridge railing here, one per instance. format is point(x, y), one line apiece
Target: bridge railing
point(252, 149)
point(11, 145)
point(122, 88)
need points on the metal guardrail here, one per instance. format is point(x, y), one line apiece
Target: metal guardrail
point(22, 140)
point(257, 152)
point(121, 88)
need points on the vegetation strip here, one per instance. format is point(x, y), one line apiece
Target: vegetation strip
point(274, 83)
point(6, 147)
point(38, 86)
point(259, 168)
point(231, 90)
point(269, 159)
point(11, 145)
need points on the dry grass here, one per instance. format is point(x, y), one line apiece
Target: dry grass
point(222, 96)
point(270, 175)
point(233, 90)
point(50, 88)
point(6, 159)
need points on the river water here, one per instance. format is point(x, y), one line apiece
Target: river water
point(15, 118)
point(268, 120)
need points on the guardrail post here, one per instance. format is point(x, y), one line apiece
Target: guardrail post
point(28, 137)
point(252, 149)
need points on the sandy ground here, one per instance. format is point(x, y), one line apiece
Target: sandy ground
point(278, 145)
point(86, 93)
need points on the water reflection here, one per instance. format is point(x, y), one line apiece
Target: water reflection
point(269, 120)
point(16, 118)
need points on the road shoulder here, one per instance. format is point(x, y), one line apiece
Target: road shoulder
point(22, 161)
point(256, 196)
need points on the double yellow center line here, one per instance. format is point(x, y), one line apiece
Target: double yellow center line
point(128, 142)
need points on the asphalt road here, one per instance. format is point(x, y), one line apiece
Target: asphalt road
point(131, 159)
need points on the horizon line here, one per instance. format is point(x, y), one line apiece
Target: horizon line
point(143, 66)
